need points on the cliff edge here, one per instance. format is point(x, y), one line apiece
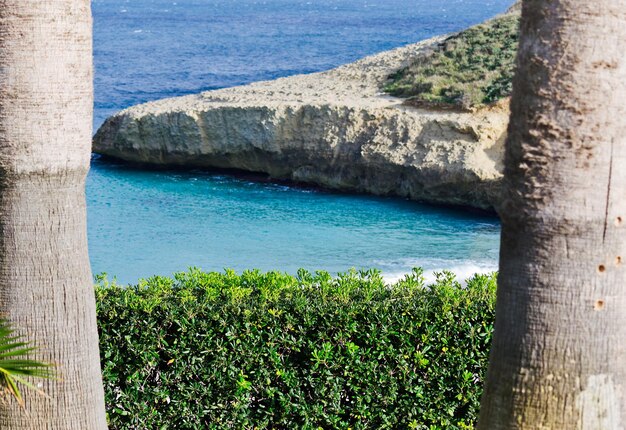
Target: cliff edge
point(335, 129)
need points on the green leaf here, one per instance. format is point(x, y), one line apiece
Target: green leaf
point(15, 364)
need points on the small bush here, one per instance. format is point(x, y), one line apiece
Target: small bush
point(268, 350)
point(470, 69)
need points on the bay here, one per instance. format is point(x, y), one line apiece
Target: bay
point(145, 222)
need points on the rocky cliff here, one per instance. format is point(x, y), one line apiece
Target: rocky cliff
point(334, 129)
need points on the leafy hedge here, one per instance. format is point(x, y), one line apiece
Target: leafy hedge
point(470, 69)
point(268, 350)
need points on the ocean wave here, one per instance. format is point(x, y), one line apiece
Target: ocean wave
point(462, 270)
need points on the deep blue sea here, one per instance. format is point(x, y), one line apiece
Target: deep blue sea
point(146, 222)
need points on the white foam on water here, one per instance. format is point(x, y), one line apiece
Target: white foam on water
point(462, 270)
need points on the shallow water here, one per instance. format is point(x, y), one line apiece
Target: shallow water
point(146, 222)
point(157, 222)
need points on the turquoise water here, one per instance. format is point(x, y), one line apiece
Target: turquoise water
point(147, 222)
point(158, 222)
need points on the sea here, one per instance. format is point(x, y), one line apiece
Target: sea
point(144, 222)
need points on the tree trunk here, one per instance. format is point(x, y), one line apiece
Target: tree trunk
point(46, 288)
point(558, 359)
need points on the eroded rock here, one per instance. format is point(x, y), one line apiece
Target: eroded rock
point(333, 129)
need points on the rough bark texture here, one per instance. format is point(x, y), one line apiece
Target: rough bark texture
point(45, 135)
point(558, 359)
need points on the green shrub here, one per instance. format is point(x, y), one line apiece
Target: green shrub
point(268, 350)
point(470, 69)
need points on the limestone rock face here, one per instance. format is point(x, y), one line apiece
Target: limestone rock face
point(334, 129)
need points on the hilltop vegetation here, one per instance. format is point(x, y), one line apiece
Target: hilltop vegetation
point(467, 70)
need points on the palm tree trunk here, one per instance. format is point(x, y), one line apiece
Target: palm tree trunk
point(558, 359)
point(45, 139)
